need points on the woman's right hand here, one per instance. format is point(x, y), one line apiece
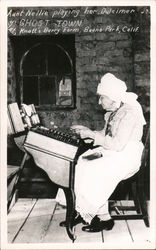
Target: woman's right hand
point(78, 128)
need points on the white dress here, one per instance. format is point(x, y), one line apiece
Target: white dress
point(121, 149)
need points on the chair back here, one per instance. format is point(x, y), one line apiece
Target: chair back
point(145, 154)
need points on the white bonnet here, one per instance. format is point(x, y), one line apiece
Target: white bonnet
point(112, 87)
point(115, 89)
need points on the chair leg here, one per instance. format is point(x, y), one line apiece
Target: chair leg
point(144, 212)
point(142, 199)
point(135, 197)
point(146, 221)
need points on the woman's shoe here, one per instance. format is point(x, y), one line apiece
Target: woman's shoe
point(78, 219)
point(94, 225)
point(97, 225)
point(107, 225)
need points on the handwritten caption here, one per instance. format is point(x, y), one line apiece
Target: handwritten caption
point(54, 21)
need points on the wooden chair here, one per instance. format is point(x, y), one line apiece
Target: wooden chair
point(135, 185)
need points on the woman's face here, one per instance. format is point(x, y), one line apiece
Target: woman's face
point(107, 103)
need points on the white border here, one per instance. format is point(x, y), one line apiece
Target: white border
point(3, 121)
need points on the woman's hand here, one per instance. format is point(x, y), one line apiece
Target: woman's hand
point(77, 128)
point(87, 133)
point(83, 131)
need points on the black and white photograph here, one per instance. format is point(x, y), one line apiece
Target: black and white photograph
point(77, 125)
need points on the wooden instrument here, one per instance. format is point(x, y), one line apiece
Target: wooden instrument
point(56, 153)
point(53, 150)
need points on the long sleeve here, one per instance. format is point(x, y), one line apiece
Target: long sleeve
point(124, 127)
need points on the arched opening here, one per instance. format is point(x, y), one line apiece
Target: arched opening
point(46, 72)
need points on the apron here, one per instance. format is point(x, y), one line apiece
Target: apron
point(96, 179)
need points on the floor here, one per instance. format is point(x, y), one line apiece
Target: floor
point(37, 221)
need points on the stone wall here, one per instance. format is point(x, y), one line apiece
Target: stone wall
point(141, 48)
point(11, 75)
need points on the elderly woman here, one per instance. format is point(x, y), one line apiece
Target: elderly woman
point(117, 157)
